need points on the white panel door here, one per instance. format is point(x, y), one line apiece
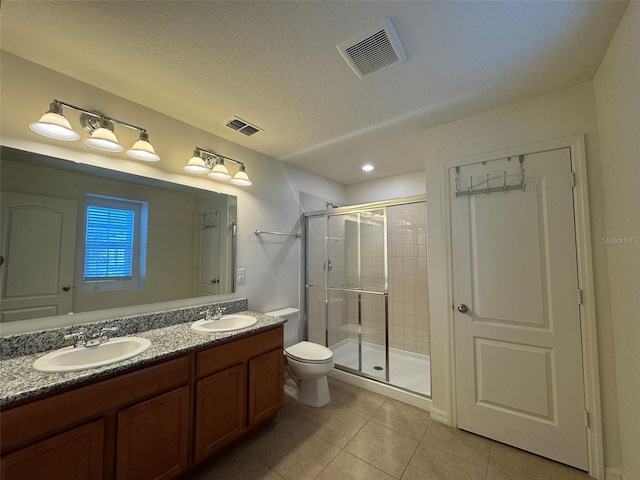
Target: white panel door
point(38, 244)
point(518, 350)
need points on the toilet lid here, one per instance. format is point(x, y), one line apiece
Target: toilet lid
point(309, 352)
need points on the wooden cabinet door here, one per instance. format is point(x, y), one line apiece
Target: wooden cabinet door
point(76, 454)
point(266, 394)
point(153, 436)
point(220, 410)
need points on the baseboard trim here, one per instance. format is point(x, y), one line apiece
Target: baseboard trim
point(613, 474)
point(440, 416)
point(387, 390)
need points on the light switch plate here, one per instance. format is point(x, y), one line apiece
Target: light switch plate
point(241, 275)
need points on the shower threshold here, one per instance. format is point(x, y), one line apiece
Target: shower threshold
point(408, 370)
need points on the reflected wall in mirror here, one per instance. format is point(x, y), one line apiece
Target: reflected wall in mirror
point(78, 238)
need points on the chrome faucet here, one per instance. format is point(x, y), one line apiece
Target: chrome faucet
point(104, 334)
point(80, 337)
point(97, 339)
point(216, 314)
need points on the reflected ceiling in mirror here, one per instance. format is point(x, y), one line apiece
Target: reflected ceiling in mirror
point(78, 238)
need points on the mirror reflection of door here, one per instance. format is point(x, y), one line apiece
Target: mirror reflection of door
point(207, 253)
point(38, 244)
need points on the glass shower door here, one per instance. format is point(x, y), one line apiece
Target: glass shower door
point(366, 290)
point(356, 285)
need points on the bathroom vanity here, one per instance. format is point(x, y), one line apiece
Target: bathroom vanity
point(158, 419)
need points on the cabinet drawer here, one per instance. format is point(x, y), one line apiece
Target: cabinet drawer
point(221, 356)
point(35, 419)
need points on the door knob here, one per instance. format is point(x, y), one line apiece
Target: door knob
point(462, 308)
point(66, 288)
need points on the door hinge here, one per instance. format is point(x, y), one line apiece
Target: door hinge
point(573, 179)
point(587, 420)
point(579, 297)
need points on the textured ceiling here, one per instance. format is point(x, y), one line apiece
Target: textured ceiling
point(275, 64)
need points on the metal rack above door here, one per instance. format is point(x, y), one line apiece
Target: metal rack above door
point(470, 191)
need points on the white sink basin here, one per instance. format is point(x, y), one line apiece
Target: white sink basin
point(70, 359)
point(225, 324)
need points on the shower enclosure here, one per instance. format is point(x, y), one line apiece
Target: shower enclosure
point(366, 290)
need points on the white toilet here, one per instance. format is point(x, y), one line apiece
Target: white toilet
point(308, 363)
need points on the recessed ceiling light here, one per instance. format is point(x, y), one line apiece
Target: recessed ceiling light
point(368, 167)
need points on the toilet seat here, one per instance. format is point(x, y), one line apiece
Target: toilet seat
point(308, 352)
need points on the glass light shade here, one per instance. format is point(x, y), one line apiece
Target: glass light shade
point(220, 171)
point(241, 178)
point(143, 150)
point(196, 165)
point(104, 139)
point(54, 125)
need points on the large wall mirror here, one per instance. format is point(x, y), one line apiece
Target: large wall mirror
point(77, 238)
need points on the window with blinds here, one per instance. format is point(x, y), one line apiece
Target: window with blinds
point(109, 243)
point(113, 258)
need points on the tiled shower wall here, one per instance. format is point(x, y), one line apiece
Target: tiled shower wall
point(408, 300)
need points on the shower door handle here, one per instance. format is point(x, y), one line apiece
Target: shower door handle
point(327, 265)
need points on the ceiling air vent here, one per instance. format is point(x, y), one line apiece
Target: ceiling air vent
point(373, 50)
point(243, 127)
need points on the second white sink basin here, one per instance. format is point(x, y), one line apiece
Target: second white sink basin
point(70, 359)
point(225, 324)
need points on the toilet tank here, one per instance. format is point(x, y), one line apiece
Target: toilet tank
point(292, 327)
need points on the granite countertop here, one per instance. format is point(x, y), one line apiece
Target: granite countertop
point(20, 380)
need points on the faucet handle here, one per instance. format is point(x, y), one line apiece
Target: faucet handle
point(80, 336)
point(104, 333)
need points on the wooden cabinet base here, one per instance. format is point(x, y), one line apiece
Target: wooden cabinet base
point(73, 455)
point(151, 422)
point(266, 396)
point(219, 413)
point(153, 436)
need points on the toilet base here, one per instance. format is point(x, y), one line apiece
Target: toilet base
point(314, 393)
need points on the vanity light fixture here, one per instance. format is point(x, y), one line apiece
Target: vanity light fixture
point(207, 162)
point(103, 138)
point(53, 124)
point(220, 171)
point(241, 178)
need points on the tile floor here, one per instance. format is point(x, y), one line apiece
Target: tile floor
point(361, 435)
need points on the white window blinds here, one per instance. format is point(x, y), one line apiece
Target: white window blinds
point(109, 243)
